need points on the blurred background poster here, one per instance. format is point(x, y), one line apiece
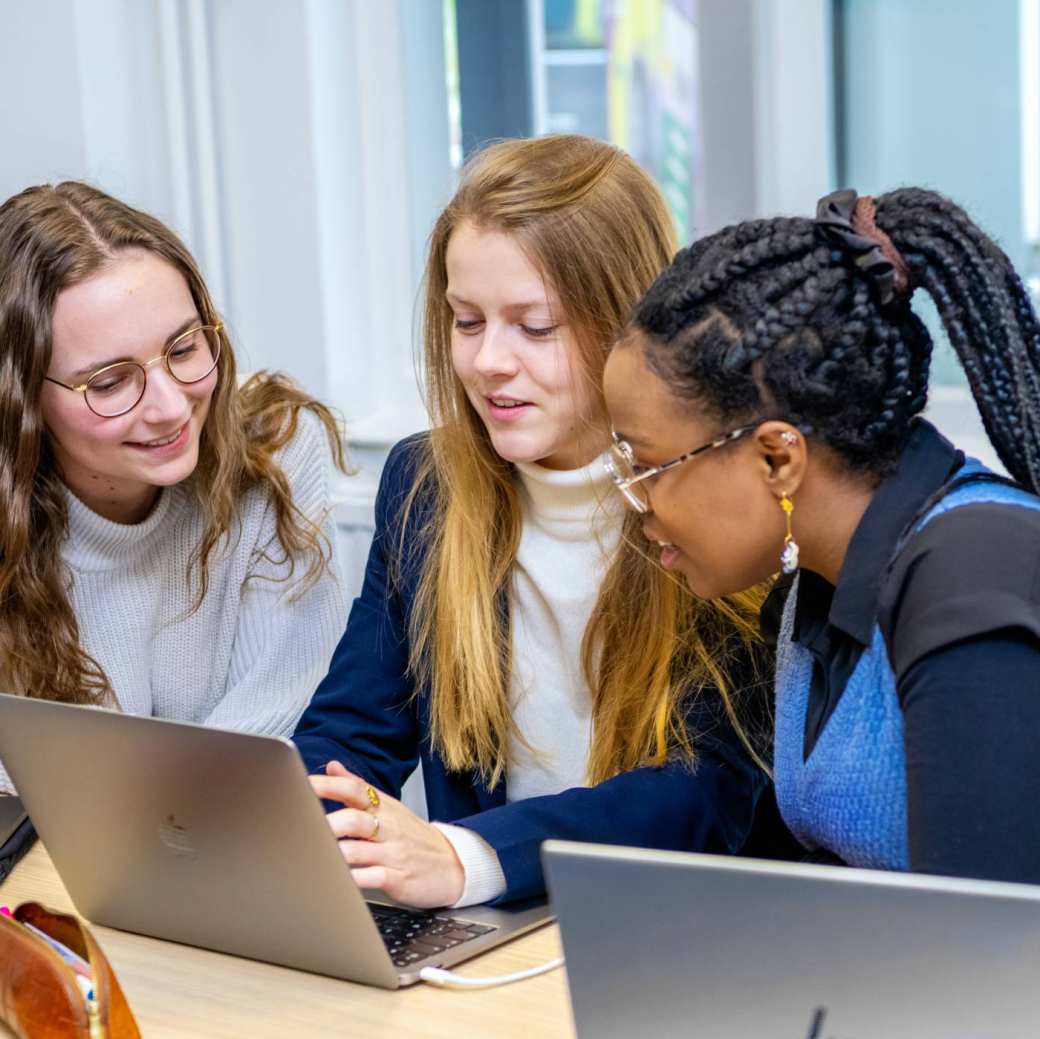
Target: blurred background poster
point(653, 91)
point(626, 71)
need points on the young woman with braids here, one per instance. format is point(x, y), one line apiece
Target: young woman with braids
point(766, 407)
point(511, 633)
point(165, 539)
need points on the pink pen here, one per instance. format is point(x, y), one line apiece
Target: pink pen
point(4, 911)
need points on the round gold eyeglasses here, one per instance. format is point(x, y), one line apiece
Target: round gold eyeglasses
point(118, 388)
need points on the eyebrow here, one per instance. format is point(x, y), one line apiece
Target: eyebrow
point(180, 330)
point(548, 304)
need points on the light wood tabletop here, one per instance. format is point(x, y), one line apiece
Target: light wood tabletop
point(177, 990)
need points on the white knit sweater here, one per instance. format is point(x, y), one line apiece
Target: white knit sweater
point(571, 529)
point(252, 654)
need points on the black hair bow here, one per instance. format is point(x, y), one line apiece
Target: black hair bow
point(834, 214)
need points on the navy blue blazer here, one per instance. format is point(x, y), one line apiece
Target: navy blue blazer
point(368, 714)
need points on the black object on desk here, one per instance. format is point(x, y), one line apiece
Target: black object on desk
point(16, 833)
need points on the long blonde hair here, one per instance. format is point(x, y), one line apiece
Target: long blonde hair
point(599, 232)
point(52, 237)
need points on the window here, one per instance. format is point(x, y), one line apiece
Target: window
point(626, 72)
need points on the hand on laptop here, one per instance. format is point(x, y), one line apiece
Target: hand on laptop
point(388, 846)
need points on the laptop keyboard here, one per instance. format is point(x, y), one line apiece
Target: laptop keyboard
point(412, 935)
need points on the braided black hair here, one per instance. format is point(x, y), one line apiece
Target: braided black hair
point(765, 318)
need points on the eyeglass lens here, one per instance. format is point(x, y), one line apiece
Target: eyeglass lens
point(189, 359)
point(622, 470)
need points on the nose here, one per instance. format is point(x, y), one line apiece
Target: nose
point(164, 398)
point(495, 356)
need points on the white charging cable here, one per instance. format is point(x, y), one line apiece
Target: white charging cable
point(446, 979)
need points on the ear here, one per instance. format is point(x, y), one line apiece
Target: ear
point(782, 456)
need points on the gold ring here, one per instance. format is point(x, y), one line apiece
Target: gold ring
point(373, 796)
point(375, 832)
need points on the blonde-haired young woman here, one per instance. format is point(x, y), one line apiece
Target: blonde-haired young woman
point(165, 541)
point(512, 634)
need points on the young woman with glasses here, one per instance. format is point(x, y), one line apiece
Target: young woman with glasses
point(512, 634)
point(766, 413)
point(166, 540)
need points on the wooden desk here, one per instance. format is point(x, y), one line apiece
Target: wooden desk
point(177, 990)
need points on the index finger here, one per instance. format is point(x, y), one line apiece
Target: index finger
point(353, 792)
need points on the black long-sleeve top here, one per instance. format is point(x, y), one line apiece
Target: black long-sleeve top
point(960, 611)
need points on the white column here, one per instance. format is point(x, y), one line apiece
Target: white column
point(794, 90)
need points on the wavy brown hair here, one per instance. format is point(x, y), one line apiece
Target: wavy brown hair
point(52, 237)
point(595, 226)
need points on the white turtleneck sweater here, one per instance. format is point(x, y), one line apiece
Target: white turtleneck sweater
point(571, 529)
point(252, 654)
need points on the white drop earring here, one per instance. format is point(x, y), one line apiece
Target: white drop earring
point(789, 555)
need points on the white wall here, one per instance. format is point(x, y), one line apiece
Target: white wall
point(80, 94)
point(766, 84)
point(794, 87)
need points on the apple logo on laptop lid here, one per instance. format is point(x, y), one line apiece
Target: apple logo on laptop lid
point(177, 838)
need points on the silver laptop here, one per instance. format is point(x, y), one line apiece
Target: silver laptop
point(668, 944)
point(215, 838)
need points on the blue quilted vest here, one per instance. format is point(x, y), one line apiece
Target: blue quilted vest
point(850, 795)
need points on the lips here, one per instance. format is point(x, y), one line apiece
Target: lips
point(507, 409)
point(507, 402)
point(669, 553)
point(160, 441)
point(669, 556)
point(161, 447)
